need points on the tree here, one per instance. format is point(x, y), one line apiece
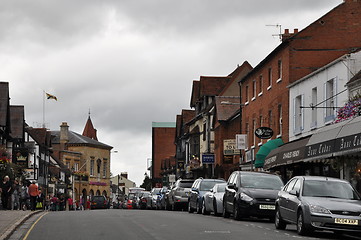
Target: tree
point(147, 183)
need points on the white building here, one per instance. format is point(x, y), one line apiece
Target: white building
point(315, 98)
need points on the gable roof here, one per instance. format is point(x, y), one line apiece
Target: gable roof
point(40, 135)
point(4, 104)
point(17, 122)
point(89, 130)
point(212, 86)
point(77, 139)
point(195, 93)
point(227, 107)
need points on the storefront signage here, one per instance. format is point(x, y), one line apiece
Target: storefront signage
point(208, 158)
point(319, 149)
point(98, 183)
point(264, 132)
point(229, 147)
point(348, 142)
point(20, 157)
point(227, 159)
point(241, 141)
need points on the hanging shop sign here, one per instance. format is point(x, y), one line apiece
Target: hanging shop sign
point(264, 132)
point(20, 157)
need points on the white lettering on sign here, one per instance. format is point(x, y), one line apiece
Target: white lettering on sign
point(291, 154)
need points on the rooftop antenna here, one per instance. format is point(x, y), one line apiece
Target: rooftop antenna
point(278, 26)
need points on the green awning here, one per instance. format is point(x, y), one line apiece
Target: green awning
point(265, 149)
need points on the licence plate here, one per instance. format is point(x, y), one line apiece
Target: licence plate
point(267, 207)
point(346, 221)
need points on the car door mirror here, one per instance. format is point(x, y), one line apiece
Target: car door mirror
point(195, 189)
point(232, 186)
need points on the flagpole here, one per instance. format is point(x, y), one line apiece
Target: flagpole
point(43, 109)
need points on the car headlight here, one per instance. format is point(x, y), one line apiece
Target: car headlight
point(319, 209)
point(246, 198)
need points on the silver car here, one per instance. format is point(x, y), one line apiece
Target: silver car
point(179, 193)
point(318, 203)
point(213, 200)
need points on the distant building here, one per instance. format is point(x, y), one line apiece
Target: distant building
point(88, 159)
point(163, 147)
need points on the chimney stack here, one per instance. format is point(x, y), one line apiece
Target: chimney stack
point(64, 135)
point(287, 34)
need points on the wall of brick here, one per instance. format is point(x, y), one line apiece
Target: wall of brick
point(162, 147)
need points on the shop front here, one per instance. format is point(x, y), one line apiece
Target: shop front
point(334, 151)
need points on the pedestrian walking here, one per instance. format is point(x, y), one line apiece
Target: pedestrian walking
point(5, 192)
point(15, 195)
point(33, 192)
point(24, 196)
point(70, 204)
point(54, 203)
point(61, 202)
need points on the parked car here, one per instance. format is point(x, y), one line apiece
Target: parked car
point(199, 188)
point(99, 202)
point(145, 199)
point(251, 194)
point(131, 201)
point(213, 200)
point(155, 192)
point(178, 195)
point(321, 203)
point(161, 198)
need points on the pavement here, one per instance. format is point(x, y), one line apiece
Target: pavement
point(10, 220)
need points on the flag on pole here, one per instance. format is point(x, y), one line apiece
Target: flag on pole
point(49, 96)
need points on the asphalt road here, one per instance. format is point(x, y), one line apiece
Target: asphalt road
point(151, 224)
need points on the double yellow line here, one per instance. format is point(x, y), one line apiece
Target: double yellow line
point(32, 226)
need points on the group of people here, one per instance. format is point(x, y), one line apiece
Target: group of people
point(18, 195)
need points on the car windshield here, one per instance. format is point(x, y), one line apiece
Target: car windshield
point(207, 185)
point(156, 191)
point(185, 184)
point(330, 189)
point(131, 196)
point(260, 181)
point(221, 187)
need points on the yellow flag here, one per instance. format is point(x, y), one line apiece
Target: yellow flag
point(49, 96)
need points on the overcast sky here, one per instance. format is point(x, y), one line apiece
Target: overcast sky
point(132, 62)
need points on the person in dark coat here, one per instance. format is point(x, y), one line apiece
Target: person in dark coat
point(5, 192)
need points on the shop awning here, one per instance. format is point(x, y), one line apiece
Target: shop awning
point(288, 153)
point(322, 143)
point(348, 140)
point(265, 149)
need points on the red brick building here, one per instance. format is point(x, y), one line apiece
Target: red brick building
point(264, 91)
point(163, 147)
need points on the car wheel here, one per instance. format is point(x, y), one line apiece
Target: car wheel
point(236, 213)
point(204, 209)
point(190, 210)
point(279, 222)
point(302, 228)
point(225, 213)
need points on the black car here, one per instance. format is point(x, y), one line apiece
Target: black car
point(99, 202)
point(318, 203)
point(251, 194)
point(199, 188)
point(144, 198)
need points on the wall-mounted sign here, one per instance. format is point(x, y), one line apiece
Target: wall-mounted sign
point(264, 132)
point(241, 141)
point(208, 158)
point(229, 147)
